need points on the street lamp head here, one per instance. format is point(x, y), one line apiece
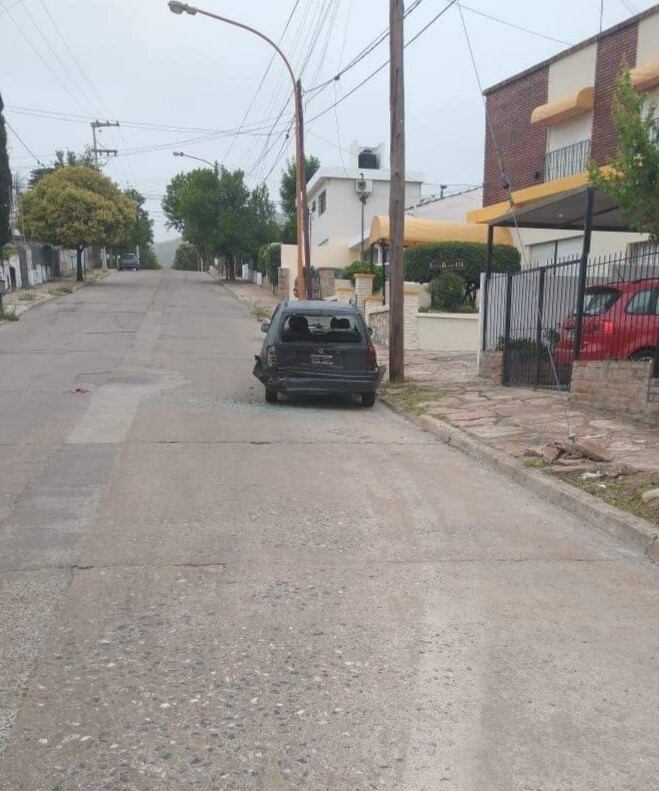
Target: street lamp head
point(180, 8)
point(178, 153)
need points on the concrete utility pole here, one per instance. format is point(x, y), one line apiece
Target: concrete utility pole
point(108, 152)
point(396, 192)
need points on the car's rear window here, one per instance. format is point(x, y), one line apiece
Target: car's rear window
point(599, 300)
point(321, 328)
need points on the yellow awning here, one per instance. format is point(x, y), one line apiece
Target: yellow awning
point(645, 76)
point(520, 198)
point(420, 231)
point(566, 107)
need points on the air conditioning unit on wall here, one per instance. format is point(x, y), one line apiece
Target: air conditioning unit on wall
point(363, 187)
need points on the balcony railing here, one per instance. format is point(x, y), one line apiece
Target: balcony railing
point(567, 161)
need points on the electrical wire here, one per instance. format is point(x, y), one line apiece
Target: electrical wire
point(263, 79)
point(383, 65)
point(23, 143)
point(515, 26)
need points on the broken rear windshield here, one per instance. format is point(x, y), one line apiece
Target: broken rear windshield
point(321, 328)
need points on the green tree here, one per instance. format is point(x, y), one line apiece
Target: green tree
point(287, 196)
point(77, 207)
point(632, 179)
point(5, 184)
point(186, 257)
point(263, 228)
point(65, 159)
point(218, 214)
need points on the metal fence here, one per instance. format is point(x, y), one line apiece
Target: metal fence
point(546, 317)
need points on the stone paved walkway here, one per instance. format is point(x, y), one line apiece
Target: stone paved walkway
point(512, 419)
point(509, 419)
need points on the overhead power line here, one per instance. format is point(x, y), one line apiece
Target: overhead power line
point(383, 65)
point(514, 25)
point(23, 143)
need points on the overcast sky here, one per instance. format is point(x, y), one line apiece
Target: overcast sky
point(194, 79)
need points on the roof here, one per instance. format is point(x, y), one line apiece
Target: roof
point(319, 305)
point(420, 231)
point(559, 204)
point(352, 174)
point(633, 20)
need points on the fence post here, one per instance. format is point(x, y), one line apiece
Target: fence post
point(655, 363)
point(583, 269)
point(486, 284)
point(506, 332)
point(538, 329)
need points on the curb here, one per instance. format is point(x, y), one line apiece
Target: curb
point(19, 310)
point(638, 534)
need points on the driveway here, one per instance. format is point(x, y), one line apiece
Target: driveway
point(198, 590)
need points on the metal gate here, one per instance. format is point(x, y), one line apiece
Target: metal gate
point(544, 318)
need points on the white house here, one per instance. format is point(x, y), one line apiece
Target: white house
point(334, 197)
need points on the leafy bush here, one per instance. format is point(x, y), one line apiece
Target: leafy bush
point(467, 258)
point(268, 261)
point(447, 291)
point(148, 259)
point(356, 267)
point(186, 257)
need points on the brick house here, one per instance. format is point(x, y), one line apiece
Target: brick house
point(552, 118)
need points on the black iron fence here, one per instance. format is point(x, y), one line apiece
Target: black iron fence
point(546, 317)
point(567, 161)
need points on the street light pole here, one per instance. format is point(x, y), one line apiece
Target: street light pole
point(213, 165)
point(303, 251)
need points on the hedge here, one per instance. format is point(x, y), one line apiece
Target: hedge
point(465, 258)
point(269, 261)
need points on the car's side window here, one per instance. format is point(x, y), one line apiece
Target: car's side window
point(643, 303)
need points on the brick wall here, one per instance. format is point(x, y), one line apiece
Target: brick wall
point(490, 366)
point(616, 385)
point(521, 145)
point(611, 52)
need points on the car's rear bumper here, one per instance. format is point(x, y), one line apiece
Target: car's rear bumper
point(305, 382)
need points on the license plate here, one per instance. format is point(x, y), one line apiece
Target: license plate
point(321, 359)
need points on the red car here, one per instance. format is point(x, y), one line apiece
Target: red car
point(621, 321)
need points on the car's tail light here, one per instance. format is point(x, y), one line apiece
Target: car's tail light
point(371, 358)
point(600, 327)
point(271, 357)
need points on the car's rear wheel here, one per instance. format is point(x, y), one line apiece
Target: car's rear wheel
point(270, 395)
point(368, 399)
point(643, 354)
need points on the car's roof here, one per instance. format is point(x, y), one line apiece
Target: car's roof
point(627, 285)
point(318, 306)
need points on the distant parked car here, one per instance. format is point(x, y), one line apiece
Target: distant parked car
point(129, 261)
point(621, 321)
point(318, 348)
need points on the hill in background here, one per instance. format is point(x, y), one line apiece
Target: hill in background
point(166, 251)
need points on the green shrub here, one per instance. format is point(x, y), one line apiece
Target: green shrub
point(467, 259)
point(186, 258)
point(447, 292)
point(268, 261)
point(148, 259)
point(356, 267)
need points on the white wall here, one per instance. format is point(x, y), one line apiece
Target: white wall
point(341, 221)
point(648, 40)
point(571, 73)
point(448, 332)
point(452, 208)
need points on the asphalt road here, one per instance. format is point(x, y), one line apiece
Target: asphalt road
point(200, 591)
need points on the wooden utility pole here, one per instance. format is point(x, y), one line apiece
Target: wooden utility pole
point(396, 191)
point(304, 250)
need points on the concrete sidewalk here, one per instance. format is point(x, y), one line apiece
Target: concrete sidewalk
point(510, 420)
point(21, 300)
